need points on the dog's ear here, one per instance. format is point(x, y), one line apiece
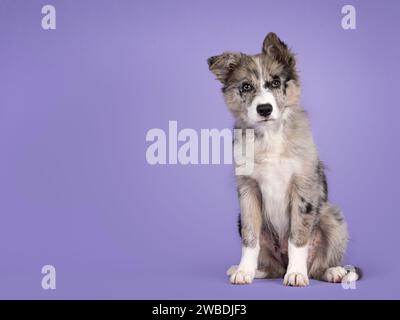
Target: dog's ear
point(224, 64)
point(276, 49)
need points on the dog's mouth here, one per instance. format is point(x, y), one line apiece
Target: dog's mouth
point(266, 120)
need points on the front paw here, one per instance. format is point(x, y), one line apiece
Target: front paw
point(296, 279)
point(241, 276)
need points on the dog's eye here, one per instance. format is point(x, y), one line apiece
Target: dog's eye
point(246, 87)
point(276, 83)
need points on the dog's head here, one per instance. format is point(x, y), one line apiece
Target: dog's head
point(258, 88)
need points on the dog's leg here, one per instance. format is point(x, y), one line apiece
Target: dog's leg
point(251, 219)
point(326, 264)
point(247, 267)
point(296, 274)
point(301, 222)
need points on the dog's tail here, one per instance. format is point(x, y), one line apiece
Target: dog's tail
point(359, 272)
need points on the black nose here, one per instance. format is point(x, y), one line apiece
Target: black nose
point(264, 110)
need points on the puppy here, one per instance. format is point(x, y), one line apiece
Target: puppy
point(288, 228)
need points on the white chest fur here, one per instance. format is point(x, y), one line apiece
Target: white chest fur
point(274, 172)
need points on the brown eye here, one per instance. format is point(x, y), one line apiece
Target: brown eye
point(276, 83)
point(246, 87)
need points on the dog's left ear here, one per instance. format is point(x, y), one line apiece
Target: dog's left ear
point(224, 64)
point(276, 49)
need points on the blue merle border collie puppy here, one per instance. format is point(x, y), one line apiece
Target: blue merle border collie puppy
point(288, 228)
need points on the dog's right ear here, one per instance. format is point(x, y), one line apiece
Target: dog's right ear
point(224, 64)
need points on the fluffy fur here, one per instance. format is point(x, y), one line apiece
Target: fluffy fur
point(288, 227)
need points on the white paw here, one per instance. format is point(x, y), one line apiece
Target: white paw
point(257, 275)
point(335, 274)
point(241, 276)
point(296, 279)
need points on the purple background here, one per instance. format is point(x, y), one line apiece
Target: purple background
point(76, 103)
